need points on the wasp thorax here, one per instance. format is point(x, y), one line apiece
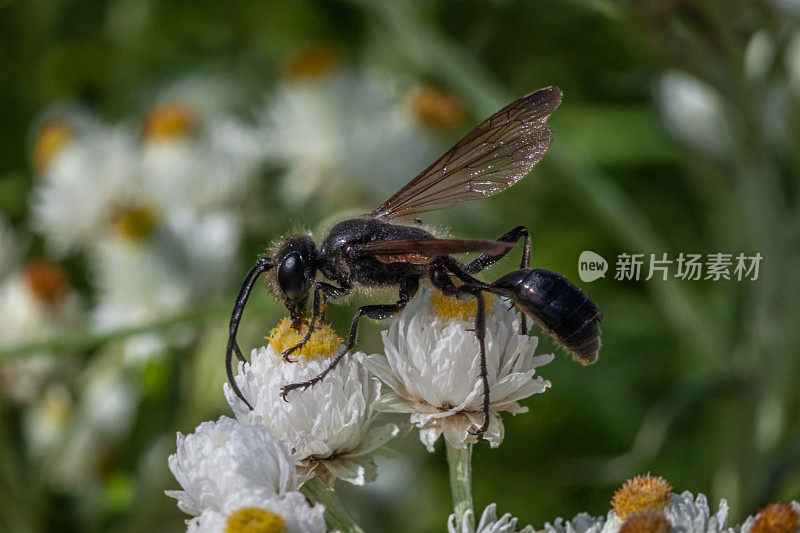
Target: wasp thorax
point(296, 268)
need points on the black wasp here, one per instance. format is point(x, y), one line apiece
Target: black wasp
point(390, 248)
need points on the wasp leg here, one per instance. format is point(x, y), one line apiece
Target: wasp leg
point(328, 291)
point(473, 288)
point(262, 265)
point(484, 260)
point(408, 288)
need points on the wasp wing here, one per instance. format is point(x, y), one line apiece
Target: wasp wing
point(424, 251)
point(499, 152)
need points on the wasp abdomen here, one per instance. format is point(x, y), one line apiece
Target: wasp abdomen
point(557, 305)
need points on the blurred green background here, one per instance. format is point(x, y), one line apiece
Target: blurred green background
point(678, 133)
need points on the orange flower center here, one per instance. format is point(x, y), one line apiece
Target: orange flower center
point(435, 108)
point(51, 139)
point(46, 280)
point(639, 493)
point(254, 520)
point(169, 121)
point(777, 518)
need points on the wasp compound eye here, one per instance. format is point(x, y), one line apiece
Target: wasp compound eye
point(292, 276)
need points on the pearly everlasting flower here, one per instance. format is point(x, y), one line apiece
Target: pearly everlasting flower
point(774, 518)
point(344, 128)
point(330, 426)
point(75, 203)
point(289, 513)
point(36, 301)
point(432, 368)
point(224, 458)
point(489, 523)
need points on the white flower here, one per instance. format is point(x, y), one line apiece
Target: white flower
point(349, 127)
point(781, 516)
point(687, 514)
point(36, 302)
point(81, 188)
point(432, 366)
point(582, 523)
point(489, 523)
point(289, 513)
point(225, 458)
point(693, 112)
point(329, 426)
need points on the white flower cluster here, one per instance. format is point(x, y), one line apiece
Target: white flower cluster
point(685, 513)
point(330, 431)
point(155, 206)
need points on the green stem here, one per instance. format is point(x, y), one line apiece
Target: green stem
point(336, 516)
point(460, 462)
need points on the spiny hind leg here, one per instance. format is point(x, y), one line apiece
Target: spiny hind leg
point(484, 260)
point(408, 288)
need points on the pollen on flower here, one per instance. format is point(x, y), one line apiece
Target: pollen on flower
point(777, 518)
point(646, 521)
point(169, 121)
point(254, 520)
point(134, 223)
point(323, 341)
point(46, 280)
point(449, 308)
point(641, 492)
point(311, 63)
point(50, 140)
point(434, 108)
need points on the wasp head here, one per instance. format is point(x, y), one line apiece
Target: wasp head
point(293, 274)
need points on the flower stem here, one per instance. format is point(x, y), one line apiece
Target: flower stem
point(336, 516)
point(460, 462)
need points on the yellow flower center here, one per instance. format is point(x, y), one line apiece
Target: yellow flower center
point(51, 139)
point(449, 308)
point(435, 108)
point(777, 518)
point(641, 492)
point(311, 63)
point(169, 121)
point(254, 520)
point(646, 521)
point(46, 280)
point(134, 223)
point(323, 341)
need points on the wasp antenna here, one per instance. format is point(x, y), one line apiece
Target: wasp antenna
point(262, 265)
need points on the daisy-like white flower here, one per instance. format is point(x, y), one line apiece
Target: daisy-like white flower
point(432, 368)
point(36, 301)
point(646, 503)
point(85, 187)
point(223, 459)
point(775, 518)
point(289, 513)
point(330, 426)
point(344, 127)
point(693, 112)
point(489, 523)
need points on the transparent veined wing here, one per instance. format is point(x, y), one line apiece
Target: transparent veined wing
point(499, 152)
